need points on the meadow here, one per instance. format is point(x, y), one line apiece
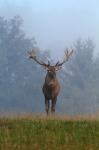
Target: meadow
point(41, 133)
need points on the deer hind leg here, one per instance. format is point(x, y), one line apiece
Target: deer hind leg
point(47, 106)
point(53, 105)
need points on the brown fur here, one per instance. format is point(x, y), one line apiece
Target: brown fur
point(51, 89)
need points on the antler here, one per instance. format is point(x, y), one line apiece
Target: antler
point(32, 55)
point(67, 56)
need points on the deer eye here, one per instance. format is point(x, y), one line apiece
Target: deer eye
point(49, 70)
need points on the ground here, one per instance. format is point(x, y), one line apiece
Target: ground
point(42, 133)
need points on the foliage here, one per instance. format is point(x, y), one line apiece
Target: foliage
point(80, 91)
point(17, 72)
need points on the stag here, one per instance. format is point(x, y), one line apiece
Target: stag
point(51, 86)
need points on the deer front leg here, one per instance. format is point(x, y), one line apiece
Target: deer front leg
point(47, 105)
point(53, 105)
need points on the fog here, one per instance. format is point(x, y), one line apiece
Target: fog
point(56, 24)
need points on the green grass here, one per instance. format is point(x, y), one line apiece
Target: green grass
point(48, 134)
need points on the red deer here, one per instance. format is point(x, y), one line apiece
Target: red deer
point(51, 87)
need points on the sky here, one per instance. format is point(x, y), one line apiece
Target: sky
point(56, 24)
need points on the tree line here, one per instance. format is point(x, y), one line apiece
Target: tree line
point(21, 79)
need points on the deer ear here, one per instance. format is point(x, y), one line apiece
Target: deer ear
point(58, 68)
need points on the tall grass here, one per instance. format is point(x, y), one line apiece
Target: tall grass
point(31, 133)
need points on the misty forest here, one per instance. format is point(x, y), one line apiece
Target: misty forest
point(21, 79)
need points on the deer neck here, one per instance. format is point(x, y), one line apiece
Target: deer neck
point(50, 82)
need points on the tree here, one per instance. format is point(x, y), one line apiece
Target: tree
point(17, 72)
point(78, 79)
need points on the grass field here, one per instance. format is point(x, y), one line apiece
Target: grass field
point(35, 133)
